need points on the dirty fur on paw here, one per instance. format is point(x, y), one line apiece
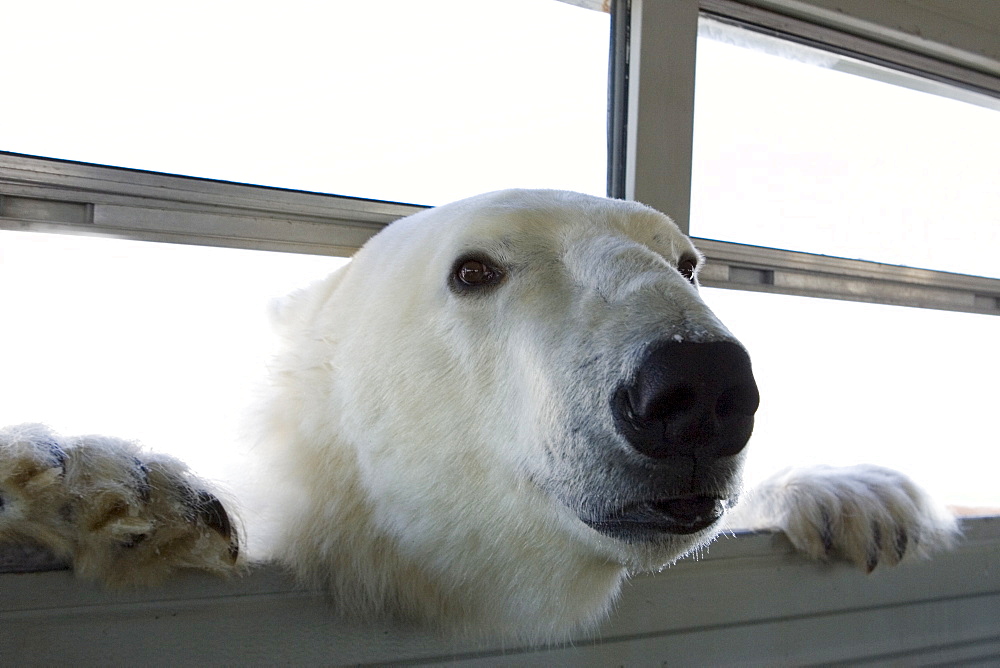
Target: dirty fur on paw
point(115, 512)
point(867, 515)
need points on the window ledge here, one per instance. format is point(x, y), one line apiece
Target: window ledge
point(748, 598)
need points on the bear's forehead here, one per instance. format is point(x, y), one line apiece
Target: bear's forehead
point(554, 219)
point(523, 226)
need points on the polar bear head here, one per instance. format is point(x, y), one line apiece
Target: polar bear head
point(500, 408)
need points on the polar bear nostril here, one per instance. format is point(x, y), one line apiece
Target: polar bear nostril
point(688, 399)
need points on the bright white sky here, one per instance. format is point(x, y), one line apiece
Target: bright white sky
point(422, 102)
point(792, 155)
point(391, 100)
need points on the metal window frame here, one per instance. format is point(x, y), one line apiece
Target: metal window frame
point(659, 99)
point(743, 267)
point(658, 155)
point(47, 195)
point(843, 36)
point(56, 196)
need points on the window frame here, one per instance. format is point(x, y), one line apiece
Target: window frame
point(46, 195)
point(659, 131)
point(57, 196)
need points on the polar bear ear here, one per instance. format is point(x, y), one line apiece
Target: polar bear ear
point(281, 311)
point(290, 312)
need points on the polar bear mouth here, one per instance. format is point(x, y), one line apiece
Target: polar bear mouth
point(649, 520)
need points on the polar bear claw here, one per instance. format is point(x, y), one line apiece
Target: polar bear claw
point(113, 511)
point(867, 515)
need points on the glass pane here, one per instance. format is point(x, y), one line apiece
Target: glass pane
point(801, 149)
point(422, 102)
point(159, 342)
point(846, 383)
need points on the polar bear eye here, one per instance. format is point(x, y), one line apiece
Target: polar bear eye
point(474, 273)
point(687, 267)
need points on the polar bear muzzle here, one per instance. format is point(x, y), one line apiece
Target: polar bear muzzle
point(686, 402)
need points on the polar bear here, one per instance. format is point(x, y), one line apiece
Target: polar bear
point(502, 407)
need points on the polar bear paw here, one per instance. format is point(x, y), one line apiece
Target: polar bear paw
point(867, 515)
point(117, 513)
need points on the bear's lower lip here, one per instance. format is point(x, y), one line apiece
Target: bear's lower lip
point(648, 520)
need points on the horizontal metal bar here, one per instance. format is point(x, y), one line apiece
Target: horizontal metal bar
point(57, 196)
point(31, 208)
point(53, 196)
point(743, 267)
point(922, 57)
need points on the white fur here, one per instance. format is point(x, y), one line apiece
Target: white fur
point(868, 515)
point(115, 512)
point(437, 448)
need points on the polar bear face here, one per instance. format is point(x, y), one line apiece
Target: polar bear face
point(519, 387)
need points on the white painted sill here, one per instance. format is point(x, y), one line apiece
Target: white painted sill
point(748, 600)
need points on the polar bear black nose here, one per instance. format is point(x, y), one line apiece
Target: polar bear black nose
point(688, 399)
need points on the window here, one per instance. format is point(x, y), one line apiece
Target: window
point(394, 100)
point(422, 102)
point(807, 150)
point(923, 390)
point(847, 383)
point(158, 342)
point(802, 149)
